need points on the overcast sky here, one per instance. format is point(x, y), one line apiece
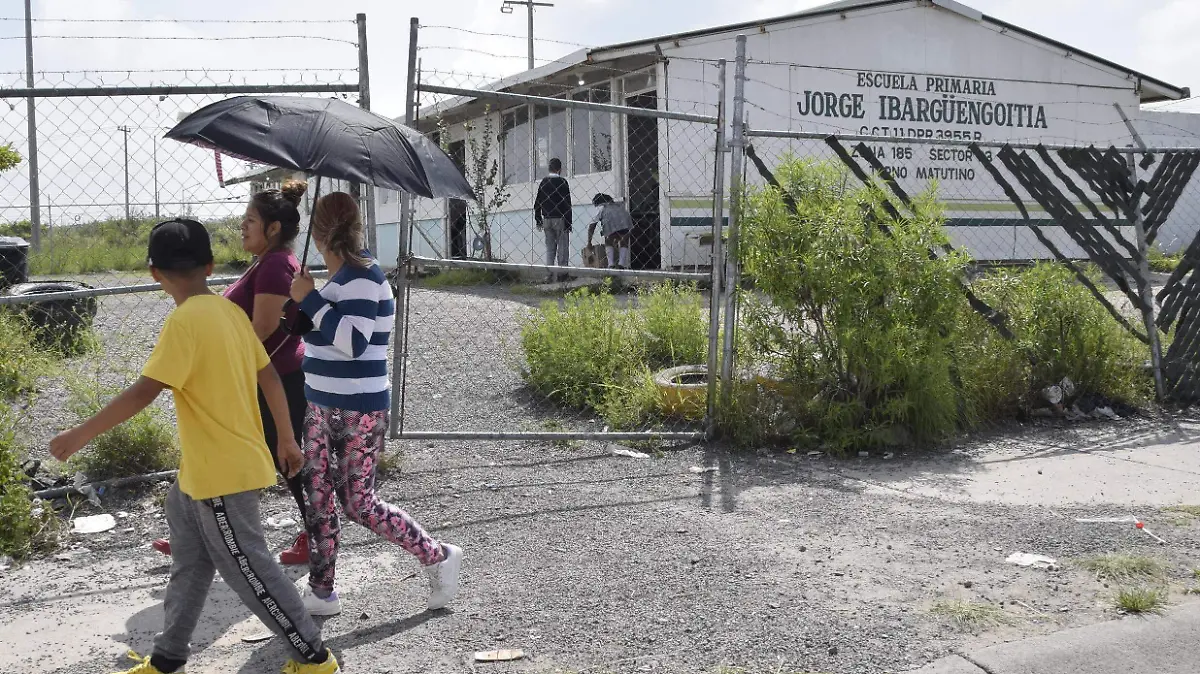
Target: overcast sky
point(1154, 36)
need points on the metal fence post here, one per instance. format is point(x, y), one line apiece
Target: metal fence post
point(364, 102)
point(718, 254)
point(732, 275)
point(1145, 289)
point(35, 210)
point(400, 344)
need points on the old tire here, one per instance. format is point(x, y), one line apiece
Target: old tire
point(57, 323)
point(683, 391)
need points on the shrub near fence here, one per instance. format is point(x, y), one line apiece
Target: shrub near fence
point(869, 340)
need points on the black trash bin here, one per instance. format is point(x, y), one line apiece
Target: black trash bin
point(14, 261)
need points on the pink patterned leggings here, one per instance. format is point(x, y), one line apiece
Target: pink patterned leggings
point(342, 448)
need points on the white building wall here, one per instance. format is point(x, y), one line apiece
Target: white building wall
point(1072, 102)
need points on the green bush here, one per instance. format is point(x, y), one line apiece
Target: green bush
point(1162, 262)
point(22, 361)
point(590, 352)
point(28, 528)
point(1066, 333)
point(854, 321)
point(676, 323)
point(577, 351)
point(144, 444)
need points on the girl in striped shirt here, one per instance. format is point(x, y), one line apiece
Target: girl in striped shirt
point(346, 383)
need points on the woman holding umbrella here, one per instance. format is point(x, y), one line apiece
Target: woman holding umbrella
point(269, 227)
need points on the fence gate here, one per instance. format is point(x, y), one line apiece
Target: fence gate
point(471, 352)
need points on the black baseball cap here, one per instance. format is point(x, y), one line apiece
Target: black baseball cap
point(180, 245)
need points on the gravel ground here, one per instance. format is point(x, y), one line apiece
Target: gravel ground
point(592, 562)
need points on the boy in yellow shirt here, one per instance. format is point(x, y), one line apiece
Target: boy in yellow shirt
point(210, 358)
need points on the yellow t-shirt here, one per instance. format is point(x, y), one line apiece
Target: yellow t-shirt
point(209, 356)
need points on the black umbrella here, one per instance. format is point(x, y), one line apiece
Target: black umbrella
point(325, 137)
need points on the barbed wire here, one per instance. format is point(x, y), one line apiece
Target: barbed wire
point(197, 38)
point(225, 21)
point(168, 71)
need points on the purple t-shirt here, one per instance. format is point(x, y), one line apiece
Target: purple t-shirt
point(271, 275)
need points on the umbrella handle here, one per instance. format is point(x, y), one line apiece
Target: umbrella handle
point(312, 215)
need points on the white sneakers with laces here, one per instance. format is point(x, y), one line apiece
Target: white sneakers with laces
point(443, 578)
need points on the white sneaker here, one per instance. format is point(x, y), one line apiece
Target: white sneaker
point(320, 607)
point(443, 578)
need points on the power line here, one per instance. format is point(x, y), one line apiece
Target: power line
point(515, 37)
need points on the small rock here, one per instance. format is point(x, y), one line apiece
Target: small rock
point(681, 531)
point(1039, 472)
point(694, 559)
point(803, 548)
point(364, 616)
point(839, 574)
point(773, 604)
point(968, 584)
point(833, 650)
point(889, 547)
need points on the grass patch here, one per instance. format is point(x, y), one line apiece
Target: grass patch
point(144, 444)
point(458, 278)
point(22, 360)
point(1120, 567)
point(675, 322)
point(1140, 600)
point(29, 526)
point(389, 464)
point(1192, 511)
point(969, 615)
point(120, 245)
point(1162, 262)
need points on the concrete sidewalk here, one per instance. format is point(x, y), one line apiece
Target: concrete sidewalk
point(1168, 644)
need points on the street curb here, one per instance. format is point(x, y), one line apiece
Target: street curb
point(1166, 644)
point(951, 664)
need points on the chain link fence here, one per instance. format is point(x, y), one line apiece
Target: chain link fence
point(593, 321)
point(79, 311)
point(1122, 217)
point(513, 326)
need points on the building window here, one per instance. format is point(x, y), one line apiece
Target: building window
point(591, 137)
point(550, 138)
point(514, 141)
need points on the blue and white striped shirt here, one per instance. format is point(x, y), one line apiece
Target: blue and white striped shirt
point(345, 355)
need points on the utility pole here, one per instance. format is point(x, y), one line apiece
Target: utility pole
point(125, 130)
point(507, 8)
point(35, 210)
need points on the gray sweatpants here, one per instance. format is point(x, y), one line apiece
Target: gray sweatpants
point(225, 534)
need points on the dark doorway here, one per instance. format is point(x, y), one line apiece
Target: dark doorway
point(641, 149)
point(456, 216)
